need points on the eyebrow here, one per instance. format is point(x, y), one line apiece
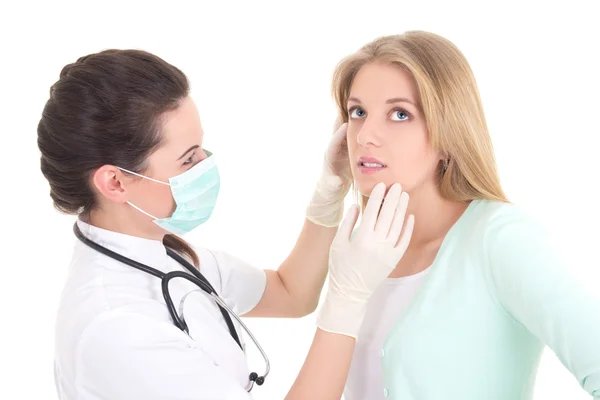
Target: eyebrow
point(194, 147)
point(389, 101)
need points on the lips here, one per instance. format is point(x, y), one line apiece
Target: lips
point(370, 165)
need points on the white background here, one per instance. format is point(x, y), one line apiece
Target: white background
point(261, 76)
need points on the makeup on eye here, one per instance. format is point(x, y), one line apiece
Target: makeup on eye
point(355, 104)
point(189, 160)
point(402, 114)
point(190, 157)
point(354, 109)
point(396, 114)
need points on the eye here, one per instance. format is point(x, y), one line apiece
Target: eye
point(190, 159)
point(399, 115)
point(357, 112)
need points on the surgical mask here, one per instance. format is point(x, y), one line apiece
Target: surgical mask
point(195, 193)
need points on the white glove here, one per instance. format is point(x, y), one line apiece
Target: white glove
point(326, 207)
point(359, 263)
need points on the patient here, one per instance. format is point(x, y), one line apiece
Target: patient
point(479, 292)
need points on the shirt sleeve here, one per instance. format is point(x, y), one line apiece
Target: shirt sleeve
point(536, 287)
point(131, 357)
point(240, 281)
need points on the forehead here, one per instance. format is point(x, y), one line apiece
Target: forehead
point(182, 126)
point(377, 82)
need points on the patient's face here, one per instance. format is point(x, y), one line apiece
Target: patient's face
point(387, 134)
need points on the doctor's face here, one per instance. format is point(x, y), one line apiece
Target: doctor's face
point(180, 150)
point(387, 133)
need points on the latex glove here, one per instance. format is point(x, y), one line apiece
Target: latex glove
point(326, 207)
point(359, 263)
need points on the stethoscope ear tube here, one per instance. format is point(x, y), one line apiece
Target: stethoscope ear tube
point(180, 322)
point(203, 284)
point(198, 279)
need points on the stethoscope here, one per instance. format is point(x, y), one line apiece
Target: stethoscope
point(197, 278)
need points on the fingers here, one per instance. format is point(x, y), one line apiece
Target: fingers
point(339, 137)
point(406, 235)
point(399, 218)
point(372, 208)
point(388, 212)
point(348, 223)
point(337, 123)
point(337, 146)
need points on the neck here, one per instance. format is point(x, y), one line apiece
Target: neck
point(122, 221)
point(434, 216)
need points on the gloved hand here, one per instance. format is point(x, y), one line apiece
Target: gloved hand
point(358, 264)
point(326, 207)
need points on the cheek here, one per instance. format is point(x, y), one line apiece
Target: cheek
point(409, 157)
point(158, 200)
point(413, 163)
point(164, 201)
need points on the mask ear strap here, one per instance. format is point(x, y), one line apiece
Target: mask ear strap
point(140, 210)
point(142, 176)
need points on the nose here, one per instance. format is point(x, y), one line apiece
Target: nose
point(204, 154)
point(368, 135)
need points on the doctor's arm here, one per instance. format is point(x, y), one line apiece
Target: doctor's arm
point(538, 290)
point(293, 290)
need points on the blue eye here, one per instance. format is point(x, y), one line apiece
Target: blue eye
point(401, 115)
point(357, 112)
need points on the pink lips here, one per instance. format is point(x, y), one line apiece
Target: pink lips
point(369, 165)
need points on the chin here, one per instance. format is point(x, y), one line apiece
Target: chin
point(365, 187)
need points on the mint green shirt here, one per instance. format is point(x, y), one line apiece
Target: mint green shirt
point(496, 294)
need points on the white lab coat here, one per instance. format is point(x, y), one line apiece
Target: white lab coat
point(115, 339)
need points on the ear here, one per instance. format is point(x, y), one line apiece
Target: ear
point(443, 155)
point(109, 182)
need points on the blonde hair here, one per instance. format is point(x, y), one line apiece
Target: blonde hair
point(450, 102)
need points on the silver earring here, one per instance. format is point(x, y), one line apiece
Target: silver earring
point(445, 164)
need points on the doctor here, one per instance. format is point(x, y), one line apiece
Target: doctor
point(145, 316)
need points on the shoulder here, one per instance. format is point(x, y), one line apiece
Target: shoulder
point(512, 243)
point(220, 266)
point(209, 266)
point(495, 220)
point(240, 281)
point(511, 225)
point(224, 263)
point(492, 229)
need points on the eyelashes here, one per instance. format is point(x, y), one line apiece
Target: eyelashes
point(396, 114)
point(400, 112)
point(357, 110)
point(190, 160)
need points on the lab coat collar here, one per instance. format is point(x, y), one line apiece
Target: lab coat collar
point(147, 251)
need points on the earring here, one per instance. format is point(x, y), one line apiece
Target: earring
point(445, 164)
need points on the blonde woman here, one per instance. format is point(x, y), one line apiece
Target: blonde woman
point(468, 309)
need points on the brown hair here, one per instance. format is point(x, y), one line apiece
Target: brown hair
point(106, 109)
point(450, 102)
